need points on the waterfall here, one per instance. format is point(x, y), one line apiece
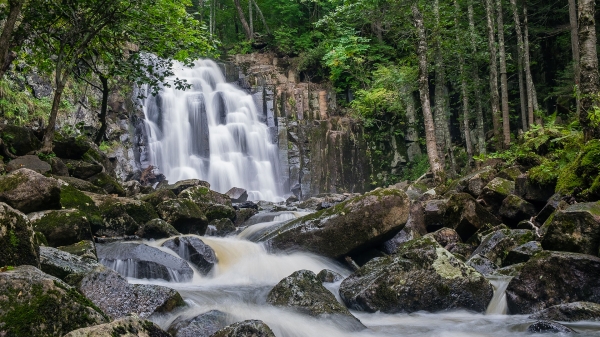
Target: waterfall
point(498, 304)
point(212, 132)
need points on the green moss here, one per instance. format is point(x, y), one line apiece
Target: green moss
point(14, 241)
point(72, 198)
point(10, 182)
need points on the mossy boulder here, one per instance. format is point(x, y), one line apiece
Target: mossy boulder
point(19, 140)
point(495, 245)
point(159, 196)
point(121, 216)
point(349, 227)
point(124, 327)
point(17, 243)
point(574, 229)
point(59, 168)
point(495, 192)
point(65, 266)
point(582, 177)
point(81, 169)
point(203, 325)
point(184, 215)
point(514, 210)
point(29, 191)
point(552, 278)
point(156, 229)
point(243, 214)
point(466, 216)
point(475, 182)
point(213, 204)
point(33, 303)
point(421, 276)
point(108, 183)
point(535, 192)
point(85, 249)
point(329, 276)
point(570, 312)
point(522, 253)
point(249, 328)
point(70, 147)
point(31, 162)
point(434, 213)
point(80, 185)
point(482, 264)
point(63, 227)
point(193, 250)
point(182, 185)
point(220, 227)
point(510, 173)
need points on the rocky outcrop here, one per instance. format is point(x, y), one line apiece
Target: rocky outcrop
point(193, 250)
point(20, 140)
point(29, 191)
point(553, 278)
point(33, 303)
point(570, 312)
point(250, 328)
point(203, 325)
point(574, 229)
point(421, 276)
point(17, 244)
point(125, 327)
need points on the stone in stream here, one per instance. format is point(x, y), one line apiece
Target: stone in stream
point(29, 191)
point(249, 328)
point(33, 303)
point(184, 215)
point(552, 278)
point(570, 312)
point(194, 250)
point(142, 261)
point(220, 227)
point(17, 244)
point(213, 204)
point(237, 194)
point(125, 327)
point(421, 276)
point(329, 276)
point(117, 298)
point(549, 327)
point(65, 266)
point(574, 229)
point(203, 325)
point(156, 229)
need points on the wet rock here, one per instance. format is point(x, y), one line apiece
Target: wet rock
point(512, 270)
point(495, 245)
point(142, 261)
point(482, 264)
point(155, 198)
point(291, 200)
point(495, 192)
point(515, 210)
point(62, 228)
point(17, 244)
point(184, 215)
point(244, 214)
point(81, 169)
point(460, 250)
point(329, 276)
point(117, 298)
point(156, 229)
point(125, 327)
point(533, 192)
point(465, 215)
point(81, 185)
point(108, 183)
point(351, 226)
point(70, 147)
point(183, 185)
point(193, 250)
point(250, 328)
point(213, 204)
point(33, 303)
point(549, 327)
point(421, 276)
point(522, 253)
point(85, 249)
point(552, 278)
point(414, 229)
point(204, 325)
point(64, 265)
point(29, 191)
point(551, 206)
point(574, 229)
point(237, 194)
point(245, 204)
point(220, 227)
point(29, 162)
point(570, 312)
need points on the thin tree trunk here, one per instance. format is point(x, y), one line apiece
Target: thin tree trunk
point(439, 114)
point(532, 104)
point(262, 18)
point(245, 25)
point(503, 76)
point(250, 18)
point(522, 94)
point(476, 81)
point(463, 87)
point(103, 110)
point(590, 82)
point(574, 45)
point(6, 56)
point(493, 75)
point(412, 135)
point(434, 161)
point(61, 81)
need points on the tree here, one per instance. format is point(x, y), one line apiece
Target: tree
point(479, 105)
point(520, 67)
point(6, 38)
point(463, 86)
point(242, 17)
point(590, 82)
point(493, 75)
point(503, 76)
point(532, 104)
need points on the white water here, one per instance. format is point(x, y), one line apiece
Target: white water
point(212, 132)
point(498, 305)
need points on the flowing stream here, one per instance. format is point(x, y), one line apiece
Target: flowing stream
point(212, 132)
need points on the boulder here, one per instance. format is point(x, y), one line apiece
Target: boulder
point(142, 261)
point(194, 250)
point(31, 162)
point(421, 276)
point(510, 173)
point(514, 210)
point(474, 182)
point(65, 266)
point(329, 276)
point(549, 327)
point(182, 185)
point(245, 204)
point(213, 204)
point(482, 264)
point(555, 202)
point(81, 169)
point(495, 245)
point(85, 249)
point(495, 192)
point(33, 303)
point(570, 312)
point(184, 215)
point(62, 228)
point(17, 245)
point(59, 169)
point(70, 147)
point(155, 198)
point(80, 185)
point(237, 194)
point(117, 298)
point(29, 191)
point(244, 214)
point(120, 216)
point(108, 183)
point(203, 325)
point(434, 214)
point(220, 227)
point(156, 229)
point(124, 327)
point(351, 226)
point(532, 191)
point(574, 229)
point(19, 140)
point(414, 229)
point(249, 328)
point(465, 215)
point(522, 253)
point(552, 278)
point(446, 237)
point(132, 188)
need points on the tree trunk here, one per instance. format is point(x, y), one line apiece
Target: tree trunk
point(532, 106)
point(439, 113)
point(589, 81)
point(61, 81)
point(493, 75)
point(503, 76)
point(262, 18)
point(250, 18)
point(6, 56)
point(478, 104)
point(574, 45)
point(245, 25)
point(434, 161)
point(412, 135)
point(103, 110)
point(522, 94)
point(463, 88)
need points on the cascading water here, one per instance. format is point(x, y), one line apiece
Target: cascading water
point(212, 132)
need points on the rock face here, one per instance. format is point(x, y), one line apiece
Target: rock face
point(62, 264)
point(574, 229)
point(117, 298)
point(142, 261)
point(350, 226)
point(237, 194)
point(20, 139)
point(553, 278)
point(125, 327)
point(30, 162)
point(204, 325)
point(29, 191)
point(194, 250)
point(33, 303)
point(570, 312)
point(549, 327)
point(62, 228)
point(250, 328)
point(17, 245)
point(421, 276)
point(156, 229)
point(184, 215)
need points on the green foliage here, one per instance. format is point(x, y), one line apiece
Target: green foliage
point(19, 106)
point(347, 55)
point(415, 169)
